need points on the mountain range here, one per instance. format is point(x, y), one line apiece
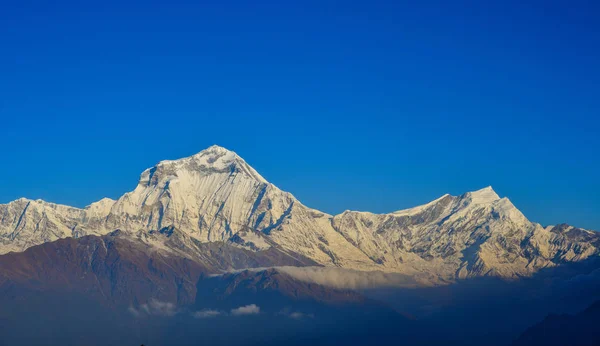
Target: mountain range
point(215, 199)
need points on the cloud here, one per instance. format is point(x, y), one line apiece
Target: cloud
point(251, 309)
point(299, 315)
point(162, 308)
point(296, 315)
point(155, 308)
point(134, 311)
point(207, 313)
point(348, 278)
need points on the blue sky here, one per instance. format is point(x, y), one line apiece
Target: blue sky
point(373, 105)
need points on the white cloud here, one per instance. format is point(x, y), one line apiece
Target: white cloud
point(134, 311)
point(296, 315)
point(347, 278)
point(342, 278)
point(154, 308)
point(207, 313)
point(162, 308)
point(251, 309)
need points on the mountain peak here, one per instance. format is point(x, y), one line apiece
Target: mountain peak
point(216, 148)
point(219, 158)
point(483, 196)
point(211, 155)
point(214, 159)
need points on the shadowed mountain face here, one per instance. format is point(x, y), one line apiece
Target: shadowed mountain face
point(578, 330)
point(118, 288)
point(269, 288)
point(110, 269)
point(121, 268)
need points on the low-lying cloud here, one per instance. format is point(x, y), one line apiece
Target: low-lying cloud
point(251, 309)
point(296, 315)
point(244, 310)
point(165, 309)
point(348, 278)
point(154, 308)
point(207, 313)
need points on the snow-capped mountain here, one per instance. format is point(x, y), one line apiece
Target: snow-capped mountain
point(215, 196)
point(475, 234)
point(25, 223)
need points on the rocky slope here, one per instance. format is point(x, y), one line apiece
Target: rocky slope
point(125, 289)
point(215, 196)
point(121, 268)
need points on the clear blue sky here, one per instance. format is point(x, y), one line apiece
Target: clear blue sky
point(372, 105)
